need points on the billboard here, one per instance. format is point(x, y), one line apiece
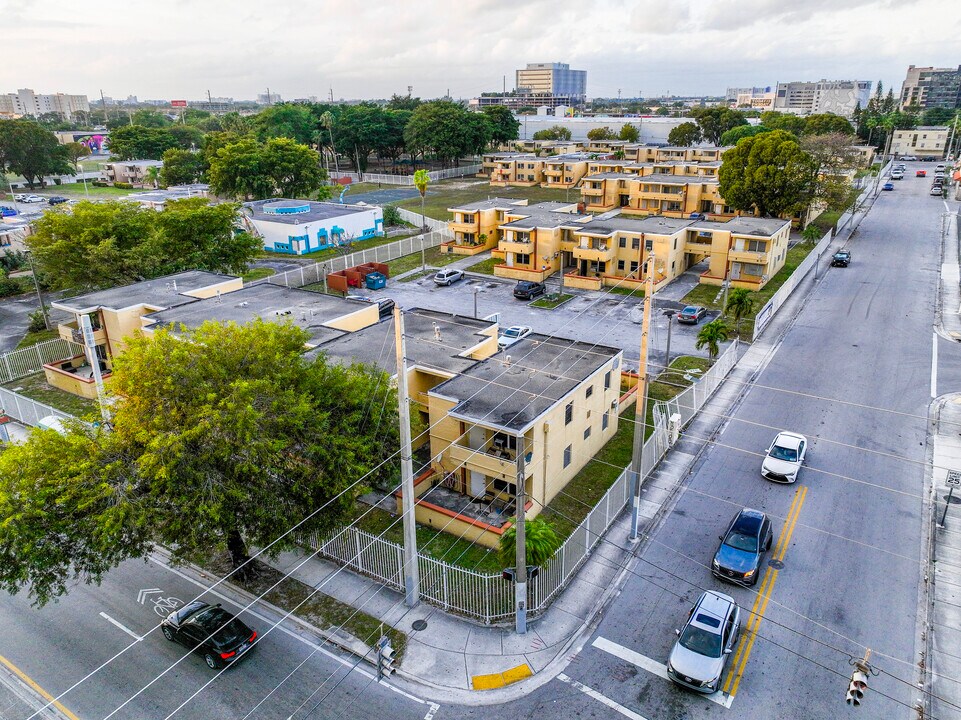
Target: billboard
point(178, 103)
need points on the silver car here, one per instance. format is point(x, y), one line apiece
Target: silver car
point(699, 656)
point(784, 458)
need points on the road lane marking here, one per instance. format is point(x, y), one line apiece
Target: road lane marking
point(37, 689)
point(651, 665)
point(934, 365)
point(120, 625)
point(591, 692)
point(767, 589)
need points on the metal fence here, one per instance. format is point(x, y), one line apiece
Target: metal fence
point(29, 360)
point(25, 410)
point(310, 274)
point(487, 597)
point(408, 180)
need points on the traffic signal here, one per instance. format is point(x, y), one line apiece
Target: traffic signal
point(859, 683)
point(385, 657)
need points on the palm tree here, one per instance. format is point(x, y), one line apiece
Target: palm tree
point(712, 335)
point(153, 176)
point(421, 180)
point(739, 303)
point(327, 121)
point(540, 542)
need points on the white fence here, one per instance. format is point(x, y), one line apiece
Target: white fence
point(25, 410)
point(316, 273)
point(488, 598)
point(408, 180)
point(29, 360)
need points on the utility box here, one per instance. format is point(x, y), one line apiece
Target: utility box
point(375, 281)
point(674, 428)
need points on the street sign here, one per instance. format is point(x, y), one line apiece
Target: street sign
point(178, 103)
point(954, 477)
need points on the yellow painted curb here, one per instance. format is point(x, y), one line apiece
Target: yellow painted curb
point(496, 680)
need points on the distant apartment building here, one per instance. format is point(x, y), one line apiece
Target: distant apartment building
point(759, 98)
point(552, 79)
point(839, 97)
point(516, 101)
point(523, 169)
point(931, 87)
point(25, 102)
point(924, 141)
point(133, 172)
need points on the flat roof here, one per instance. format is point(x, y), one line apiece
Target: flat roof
point(490, 204)
point(276, 303)
point(298, 212)
point(547, 215)
point(611, 175)
point(762, 227)
point(162, 292)
point(543, 371)
point(670, 179)
point(654, 225)
point(375, 344)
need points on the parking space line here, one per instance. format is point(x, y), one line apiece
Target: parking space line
point(120, 625)
point(651, 665)
point(591, 692)
point(37, 689)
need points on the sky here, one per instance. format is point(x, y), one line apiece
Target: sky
point(180, 49)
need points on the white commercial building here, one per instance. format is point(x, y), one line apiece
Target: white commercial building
point(26, 102)
point(654, 129)
point(297, 227)
point(839, 97)
point(924, 141)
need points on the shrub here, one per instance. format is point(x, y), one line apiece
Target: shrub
point(9, 286)
point(123, 185)
point(101, 183)
point(37, 323)
point(392, 216)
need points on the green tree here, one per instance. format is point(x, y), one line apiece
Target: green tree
point(836, 160)
point(827, 123)
point(740, 302)
point(629, 133)
point(29, 150)
point(685, 135)
point(150, 118)
point(447, 131)
point(601, 133)
point(504, 126)
point(188, 137)
point(421, 181)
point(937, 116)
point(555, 132)
point(732, 136)
point(662, 111)
point(75, 151)
point(540, 543)
point(152, 176)
point(769, 172)
point(403, 102)
point(294, 169)
point(138, 142)
point(716, 121)
point(711, 336)
point(286, 120)
point(776, 120)
point(361, 130)
point(236, 171)
point(182, 167)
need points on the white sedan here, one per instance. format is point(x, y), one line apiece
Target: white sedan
point(511, 335)
point(33, 199)
point(784, 458)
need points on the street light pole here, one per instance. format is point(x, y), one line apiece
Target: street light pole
point(411, 569)
point(640, 407)
point(520, 554)
point(669, 314)
point(36, 285)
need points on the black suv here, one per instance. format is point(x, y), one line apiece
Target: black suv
point(842, 258)
point(57, 200)
point(527, 290)
point(743, 546)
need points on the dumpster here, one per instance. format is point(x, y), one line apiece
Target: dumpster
point(376, 281)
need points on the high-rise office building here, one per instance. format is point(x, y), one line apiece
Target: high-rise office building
point(26, 102)
point(552, 79)
point(931, 87)
point(839, 97)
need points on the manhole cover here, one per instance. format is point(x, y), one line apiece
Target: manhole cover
point(953, 499)
point(419, 624)
point(776, 564)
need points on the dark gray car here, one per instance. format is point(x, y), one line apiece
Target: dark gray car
point(743, 547)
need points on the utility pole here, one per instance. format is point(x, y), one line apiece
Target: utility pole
point(36, 285)
point(520, 556)
point(411, 571)
point(331, 95)
point(90, 347)
point(640, 407)
point(669, 314)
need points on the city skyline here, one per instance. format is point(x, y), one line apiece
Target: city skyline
point(468, 49)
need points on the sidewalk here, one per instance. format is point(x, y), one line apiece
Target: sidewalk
point(949, 297)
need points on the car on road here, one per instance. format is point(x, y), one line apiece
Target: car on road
point(703, 646)
point(528, 289)
point(920, 173)
point(936, 190)
point(211, 631)
point(784, 458)
point(842, 258)
point(940, 167)
point(897, 175)
point(446, 277)
point(385, 306)
point(888, 186)
point(908, 158)
point(743, 547)
point(691, 315)
point(511, 335)
point(57, 200)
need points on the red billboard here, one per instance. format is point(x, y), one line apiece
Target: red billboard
point(178, 103)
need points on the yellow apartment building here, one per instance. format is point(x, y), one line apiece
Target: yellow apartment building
point(747, 250)
point(655, 193)
point(546, 147)
point(565, 171)
point(490, 160)
point(533, 240)
point(476, 226)
point(520, 170)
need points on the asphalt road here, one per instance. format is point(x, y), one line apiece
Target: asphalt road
point(58, 645)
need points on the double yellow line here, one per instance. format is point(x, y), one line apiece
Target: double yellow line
point(764, 594)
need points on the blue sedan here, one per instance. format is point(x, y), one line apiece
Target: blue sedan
point(888, 186)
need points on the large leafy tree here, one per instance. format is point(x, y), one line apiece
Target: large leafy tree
point(826, 123)
point(504, 126)
point(30, 150)
point(715, 121)
point(776, 120)
point(182, 167)
point(446, 130)
point(836, 159)
point(732, 136)
point(685, 135)
point(404, 102)
point(139, 142)
point(150, 118)
point(629, 133)
point(237, 171)
point(75, 151)
point(286, 120)
point(601, 133)
point(769, 172)
point(555, 132)
point(293, 169)
point(360, 130)
point(222, 438)
point(188, 137)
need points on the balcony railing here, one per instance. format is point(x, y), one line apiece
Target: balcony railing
point(494, 466)
point(748, 256)
point(597, 254)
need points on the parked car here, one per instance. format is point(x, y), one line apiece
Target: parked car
point(511, 335)
point(446, 277)
point(528, 289)
point(19, 196)
point(743, 547)
point(57, 200)
point(937, 190)
point(696, 216)
point(691, 315)
point(887, 186)
point(908, 158)
point(32, 199)
point(920, 173)
point(211, 631)
point(7, 211)
point(842, 258)
point(784, 458)
point(703, 646)
point(385, 306)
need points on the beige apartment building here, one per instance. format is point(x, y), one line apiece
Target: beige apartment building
point(476, 226)
point(524, 170)
point(134, 172)
point(564, 172)
point(924, 141)
point(532, 238)
point(655, 193)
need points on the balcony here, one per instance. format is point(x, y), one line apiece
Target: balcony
point(592, 191)
point(553, 172)
point(747, 256)
point(71, 332)
point(601, 253)
point(493, 466)
point(524, 247)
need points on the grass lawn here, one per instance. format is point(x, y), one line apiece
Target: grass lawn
point(76, 191)
point(32, 338)
point(36, 388)
point(417, 276)
point(441, 196)
point(566, 511)
point(257, 274)
point(621, 290)
point(434, 258)
point(549, 302)
point(485, 266)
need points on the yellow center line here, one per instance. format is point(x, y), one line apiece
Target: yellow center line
point(36, 688)
point(739, 661)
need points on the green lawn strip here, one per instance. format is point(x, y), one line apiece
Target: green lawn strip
point(307, 603)
point(623, 290)
point(569, 508)
point(416, 276)
point(37, 337)
point(484, 266)
point(433, 256)
point(36, 388)
point(257, 274)
point(550, 302)
point(77, 192)
point(441, 196)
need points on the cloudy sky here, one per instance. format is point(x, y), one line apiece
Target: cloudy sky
point(372, 48)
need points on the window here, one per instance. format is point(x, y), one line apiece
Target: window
point(622, 242)
point(752, 269)
point(504, 486)
point(587, 432)
point(590, 391)
point(649, 245)
point(607, 380)
point(636, 244)
point(634, 266)
point(522, 258)
point(467, 218)
point(757, 246)
point(567, 456)
point(675, 243)
point(620, 264)
point(569, 413)
point(605, 420)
